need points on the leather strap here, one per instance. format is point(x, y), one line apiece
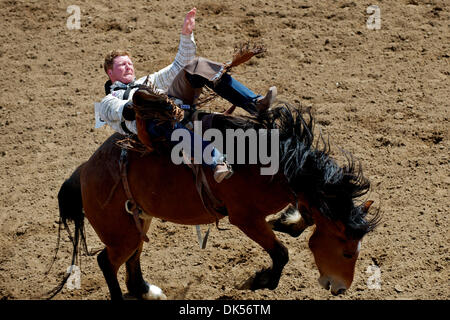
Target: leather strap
point(130, 205)
point(124, 128)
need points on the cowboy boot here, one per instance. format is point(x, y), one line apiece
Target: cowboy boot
point(222, 171)
point(235, 92)
point(264, 103)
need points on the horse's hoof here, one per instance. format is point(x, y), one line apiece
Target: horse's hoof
point(260, 280)
point(263, 280)
point(154, 293)
point(247, 284)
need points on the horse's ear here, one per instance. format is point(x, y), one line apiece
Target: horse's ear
point(139, 97)
point(136, 97)
point(367, 205)
point(143, 96)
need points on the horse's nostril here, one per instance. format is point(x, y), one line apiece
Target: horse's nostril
point(338, 292)
point(325, 283)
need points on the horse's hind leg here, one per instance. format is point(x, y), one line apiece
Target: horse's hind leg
point(136, 284)
point(110, 274)
point(134, 280)
point(110, 260)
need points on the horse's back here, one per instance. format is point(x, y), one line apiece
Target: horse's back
point(160, 187)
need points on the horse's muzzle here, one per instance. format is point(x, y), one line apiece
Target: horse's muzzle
point(337, 287)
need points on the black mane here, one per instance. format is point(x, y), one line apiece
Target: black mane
point(310, 170)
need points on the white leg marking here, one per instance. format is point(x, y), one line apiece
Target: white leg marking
point(154, 293)
point(292, 217)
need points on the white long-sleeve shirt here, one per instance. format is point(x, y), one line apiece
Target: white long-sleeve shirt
point(109, 110)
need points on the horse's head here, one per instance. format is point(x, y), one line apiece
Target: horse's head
point(326, 194)
point(335, 246)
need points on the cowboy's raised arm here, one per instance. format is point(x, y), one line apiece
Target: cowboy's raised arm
point(186, 52)
point(189, 22)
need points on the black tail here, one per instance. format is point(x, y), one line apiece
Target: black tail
point(70, 209)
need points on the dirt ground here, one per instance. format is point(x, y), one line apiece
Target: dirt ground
point(381, 94)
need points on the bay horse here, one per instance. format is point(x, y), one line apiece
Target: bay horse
point(324, 192)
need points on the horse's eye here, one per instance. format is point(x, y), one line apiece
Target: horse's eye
point(347, 255)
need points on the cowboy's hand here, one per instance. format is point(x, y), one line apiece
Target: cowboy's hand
point(189, 22)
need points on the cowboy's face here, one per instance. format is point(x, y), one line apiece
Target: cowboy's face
point(122, 70)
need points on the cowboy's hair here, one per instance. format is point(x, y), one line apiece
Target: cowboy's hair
point(109, 58)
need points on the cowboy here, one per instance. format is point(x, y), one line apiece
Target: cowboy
point(183, 79)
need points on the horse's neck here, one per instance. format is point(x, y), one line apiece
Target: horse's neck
point(271, 193)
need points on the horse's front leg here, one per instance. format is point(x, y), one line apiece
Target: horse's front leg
point(288, 221)
point(261, 232)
